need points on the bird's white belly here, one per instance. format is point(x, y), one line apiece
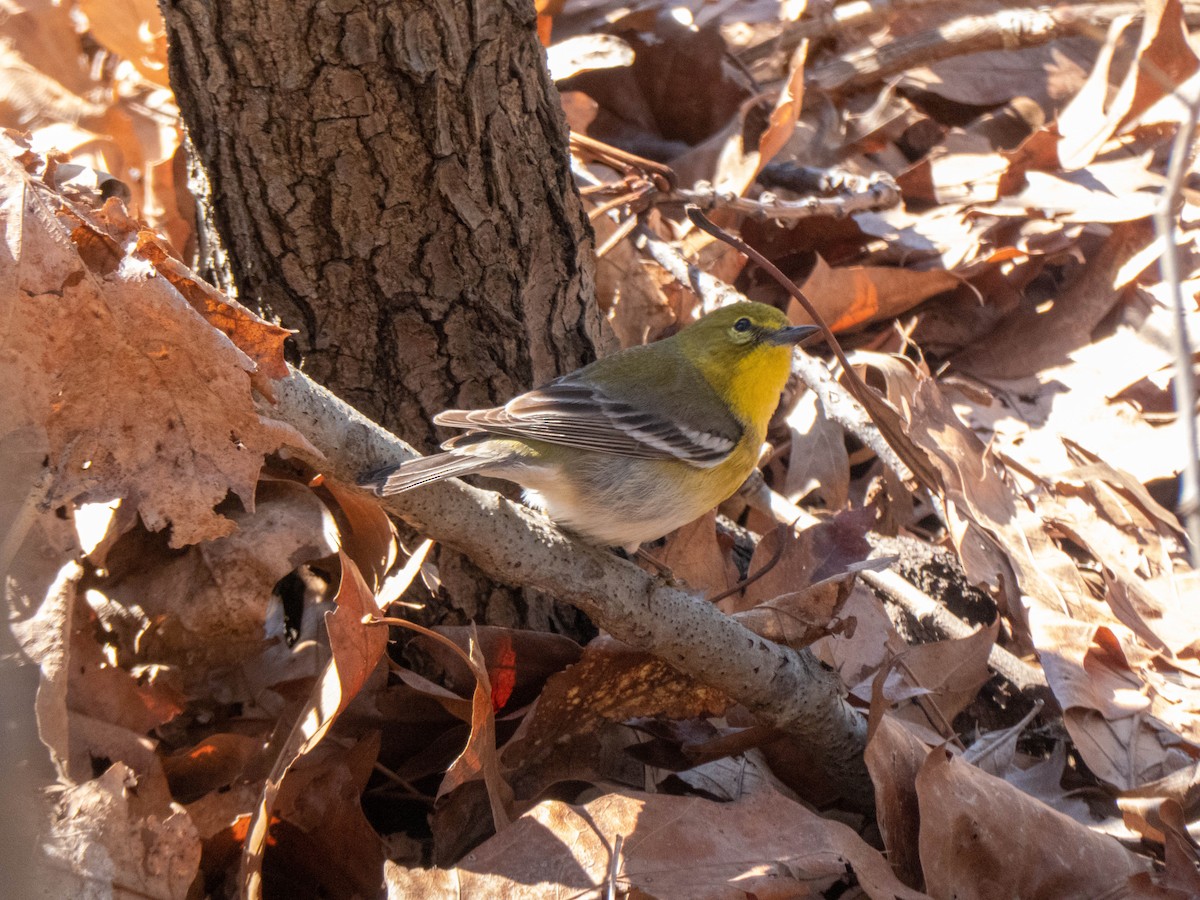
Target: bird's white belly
point(615, 502)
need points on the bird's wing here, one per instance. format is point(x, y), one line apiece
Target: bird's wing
point(578, 414)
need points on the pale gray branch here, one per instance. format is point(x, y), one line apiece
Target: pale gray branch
point(788, 689)
point(1184, 385)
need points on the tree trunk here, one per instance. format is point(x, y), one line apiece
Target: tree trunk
point(392, 180)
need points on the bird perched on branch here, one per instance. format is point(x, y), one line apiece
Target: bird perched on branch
point(636, 444)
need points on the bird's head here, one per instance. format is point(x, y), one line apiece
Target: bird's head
point(744, 351)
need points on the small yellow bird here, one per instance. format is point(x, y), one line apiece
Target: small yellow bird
point(636, 444)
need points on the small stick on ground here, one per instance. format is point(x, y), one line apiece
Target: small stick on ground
point(911, 599)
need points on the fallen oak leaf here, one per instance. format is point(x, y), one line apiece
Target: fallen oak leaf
point(365, 532)
point(357, 644)
point(259, 339)
point(969, 847)
point(762, 845)
point(138, 396)
point(1164, 60)
point(479, 757)
point(849, 297)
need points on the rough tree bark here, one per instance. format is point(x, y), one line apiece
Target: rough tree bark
point(391, 179)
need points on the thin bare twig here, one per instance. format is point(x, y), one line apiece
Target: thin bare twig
point(898, 589)
point(1008, 29)
point(1185, 388)
point(755, 576)
point(830, 21)
point(713, 292)
point(882, 193)
point(645, 183)
point(614, 868)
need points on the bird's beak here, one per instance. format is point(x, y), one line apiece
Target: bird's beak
point(793, 334)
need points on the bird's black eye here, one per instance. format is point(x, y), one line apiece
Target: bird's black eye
point(742, 324)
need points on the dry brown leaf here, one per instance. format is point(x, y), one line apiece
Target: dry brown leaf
point(611, 682)
point(983, 838)
point(852, 296)
point(41, 625)
point(956, 239)
point(1083, 118)
point(546, 11)
point(672, 847)
point(1042, 779)
point(168, 205)
point(680, 90)
point(1161, 611)
point(1000, 541)
point(1182, 852)
point(1098, 684)
point(807, 579)
point(725, 779)
point(818, 462)
point(323, 843)
point(737, 168)
point(1119, 190)
point(518, 662)
point(146, 401)
point(856, 654)
point(367, 535)
point(421, 738)
point(39, 556)
point(782, 121)
point(207, 608)
point(1164, 60)
point(1049, 74)
point(127, 126)
point(1117, 691)
point(479, 758)
point(828, 551)
point(696, 557)
point(587, 53)
point(259, 339)
point(1136, 553)
point(894, 757)
point(1033, 340)
point(1182, 786)
point(947, 674)
point(356, 647)
point(446, 698)
point(121, 835)
point(144, 125)
point(964, 170)
point(1115, 697)
point(111, 694)
point(627, 289)
point(1073, 404)
point(210, 764)
point(44, 87)
point(798, 618)
point(134, 30)
point(887, 416)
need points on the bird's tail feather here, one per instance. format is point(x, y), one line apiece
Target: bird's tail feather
point(423, 470)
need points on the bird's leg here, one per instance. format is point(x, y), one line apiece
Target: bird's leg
point(663, 570)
